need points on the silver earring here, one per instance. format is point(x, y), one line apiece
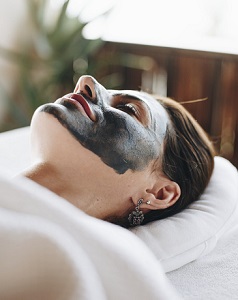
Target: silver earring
point(136, 217)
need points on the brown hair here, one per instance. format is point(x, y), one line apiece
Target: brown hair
point(187, 158)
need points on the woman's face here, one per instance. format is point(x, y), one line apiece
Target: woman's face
point(124, 128)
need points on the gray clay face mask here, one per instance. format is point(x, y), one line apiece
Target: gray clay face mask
point(124, 128)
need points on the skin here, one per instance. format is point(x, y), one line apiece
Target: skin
point(127, 129)
point(96, 148)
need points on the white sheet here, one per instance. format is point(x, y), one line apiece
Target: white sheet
point(51, 250)
point(15, 150)
point(214, 276)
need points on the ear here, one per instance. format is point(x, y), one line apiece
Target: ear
point(162, 196)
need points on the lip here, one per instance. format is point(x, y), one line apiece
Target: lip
point(80, 102)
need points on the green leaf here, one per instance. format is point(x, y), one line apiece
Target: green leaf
point(62, 18)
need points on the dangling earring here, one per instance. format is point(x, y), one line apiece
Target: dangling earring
point(136, 217)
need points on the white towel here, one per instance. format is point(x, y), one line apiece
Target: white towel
point(51, 250)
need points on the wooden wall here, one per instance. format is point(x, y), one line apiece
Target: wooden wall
point(188, 75)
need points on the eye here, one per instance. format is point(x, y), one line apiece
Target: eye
point(128, 108)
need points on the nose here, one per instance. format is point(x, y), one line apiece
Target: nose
point(86, 86)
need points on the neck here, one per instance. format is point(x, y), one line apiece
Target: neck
point(63, 185)
point(67, 186)
point(45, 175)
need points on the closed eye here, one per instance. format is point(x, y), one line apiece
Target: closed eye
point(133, 106)
point(128, 108)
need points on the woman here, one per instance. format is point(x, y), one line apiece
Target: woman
point(121, 156)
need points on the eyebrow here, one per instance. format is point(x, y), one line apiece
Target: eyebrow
point(128, 96)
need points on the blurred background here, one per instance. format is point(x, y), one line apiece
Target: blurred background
point(185, 50)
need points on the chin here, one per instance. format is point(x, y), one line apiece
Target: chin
point(52, 142)
point(47, 134)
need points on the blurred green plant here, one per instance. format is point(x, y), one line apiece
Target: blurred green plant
point(49, 61)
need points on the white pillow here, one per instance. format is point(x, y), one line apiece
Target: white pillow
point(194, 232)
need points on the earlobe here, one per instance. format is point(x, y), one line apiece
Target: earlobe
point(164, 196)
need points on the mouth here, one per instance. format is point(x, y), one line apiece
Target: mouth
point(80, 103)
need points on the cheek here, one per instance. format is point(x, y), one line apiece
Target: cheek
point(123, 144)
point(141, 147)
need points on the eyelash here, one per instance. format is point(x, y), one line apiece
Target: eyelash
point(129, 108)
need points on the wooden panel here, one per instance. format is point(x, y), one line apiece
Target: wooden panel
point(235, 157)
point(229, 95)
point(191, 78)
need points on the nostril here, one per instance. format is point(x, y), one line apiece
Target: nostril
point(89, 91)
point(86, 86)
